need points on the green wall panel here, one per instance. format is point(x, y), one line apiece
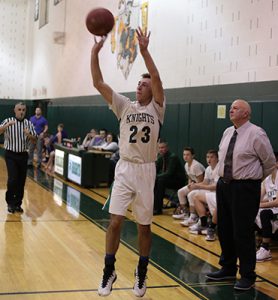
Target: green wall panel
point(182, 139)
point(170, 126)
point(270, 122)
point(78, 121)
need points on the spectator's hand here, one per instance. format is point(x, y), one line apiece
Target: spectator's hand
point(143, 39)
point(41, 135)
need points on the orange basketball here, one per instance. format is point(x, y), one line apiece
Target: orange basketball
point(100, 21)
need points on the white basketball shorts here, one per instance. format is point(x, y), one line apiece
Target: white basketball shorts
point(134, 184)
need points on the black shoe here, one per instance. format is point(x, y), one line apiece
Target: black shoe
point(157, 212)
point(11, 209)
point(221, 274)
point(18, 209)
point(244, 284)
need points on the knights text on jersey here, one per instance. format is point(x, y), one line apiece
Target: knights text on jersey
point(139, 128)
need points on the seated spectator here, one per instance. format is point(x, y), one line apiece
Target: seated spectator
point(48, 146)
point(60, 135)
point(89, 138)
point(169, 174)
point(195, 173)
point(100, 139)
point(205, 197)
point(56, 139)
point(109, 144)
point(267, 214)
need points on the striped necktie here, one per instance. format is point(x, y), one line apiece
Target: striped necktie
point(228, 162)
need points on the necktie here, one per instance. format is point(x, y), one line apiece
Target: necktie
point(228, 162)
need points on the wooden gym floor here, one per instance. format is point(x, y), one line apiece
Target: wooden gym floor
point(55, 250)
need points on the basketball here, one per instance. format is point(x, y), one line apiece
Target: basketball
point(100, 21)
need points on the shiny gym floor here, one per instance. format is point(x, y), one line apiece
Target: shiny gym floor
point(55, 249)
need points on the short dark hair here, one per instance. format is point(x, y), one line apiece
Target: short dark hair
point(20, 103)
point(212, 151)
point(190, 149)
point(162, 141)
point(146, 75)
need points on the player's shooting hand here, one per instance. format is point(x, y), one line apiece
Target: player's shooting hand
point(98, 44)
point(143, 38)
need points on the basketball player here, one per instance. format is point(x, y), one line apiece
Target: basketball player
point(135, 173)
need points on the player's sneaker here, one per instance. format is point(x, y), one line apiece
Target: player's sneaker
point(180, 213)
point(140, 287)
point(211, 235)
point(197, 228)
point(108, 279)
point(190, 221)
point(263, 255)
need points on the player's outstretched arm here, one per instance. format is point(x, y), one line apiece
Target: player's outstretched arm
point(143, 39)
point(104, 89)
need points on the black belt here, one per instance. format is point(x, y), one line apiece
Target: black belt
point(228, 181)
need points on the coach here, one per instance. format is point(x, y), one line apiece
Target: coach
point(245, 158)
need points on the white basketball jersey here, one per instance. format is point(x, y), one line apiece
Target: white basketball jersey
point(195, 170)
point(270, 187)
point(139, 128)
point(212, 175)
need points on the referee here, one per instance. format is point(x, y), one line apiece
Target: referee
point(18, 132)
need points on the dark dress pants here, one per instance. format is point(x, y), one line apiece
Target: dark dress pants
point(17, 169)
point(237, 207)
point(161, 184)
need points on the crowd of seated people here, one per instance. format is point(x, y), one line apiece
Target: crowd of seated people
point(95, 139)
point(199, 197)
point(108, 144)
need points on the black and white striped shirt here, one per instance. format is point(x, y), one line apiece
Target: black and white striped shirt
point(14, 137)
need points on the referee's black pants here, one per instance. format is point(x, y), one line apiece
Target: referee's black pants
point(237, 207)
point(17, 169)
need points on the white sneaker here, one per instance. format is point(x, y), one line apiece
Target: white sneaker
point(106, 284)
point(263, 255)
point(197, 228)
point(190, 221)
point(179, 213)
point(140, 287)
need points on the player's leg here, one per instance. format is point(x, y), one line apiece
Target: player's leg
point(112, 245)
point(142, 209)
point(200, 205)
point(193, 216)
point(144, 239)
point(180, 212)
point(264, 254)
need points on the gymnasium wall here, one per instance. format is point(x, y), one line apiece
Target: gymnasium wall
point(194, 43)
point(191, 116)
point(208, 52)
